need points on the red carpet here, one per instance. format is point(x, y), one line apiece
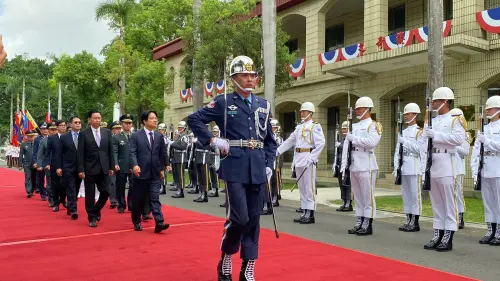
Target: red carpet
point(37, 244)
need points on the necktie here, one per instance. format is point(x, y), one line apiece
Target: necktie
point(128, 137)
point(97, 138)
point(247, 103)
point(75, 140)
point(151, 140)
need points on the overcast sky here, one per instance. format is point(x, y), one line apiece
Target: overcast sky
point(38, 27)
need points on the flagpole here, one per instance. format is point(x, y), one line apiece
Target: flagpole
point(59, 103)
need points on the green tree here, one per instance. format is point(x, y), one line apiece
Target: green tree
point(117, 13)
point(85, 84)
point(227, 31)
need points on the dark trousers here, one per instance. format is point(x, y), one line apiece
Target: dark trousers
point(274, 188)
point(179, 175)
point(58, 190)
point(72, 182)
point(345, 190)
point(152, 188)
point(203, 175)
point(242, 226)
point(193, 174)
point(93, 208)
point(50, 194)
point(213, 178)
point(40, 183)
point(121, 180)
point(146, 210)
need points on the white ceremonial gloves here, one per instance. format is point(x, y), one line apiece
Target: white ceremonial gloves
point(223, 145)
point(349, 137)
point(481, 138)
point(269, 173)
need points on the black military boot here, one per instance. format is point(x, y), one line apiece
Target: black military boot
point(405, 226)
point(247, 270)
point(308, 217)
point(413, 226)
point(224, 268)
point(490, 235)
point(446, 242)
point(299, 218)
point(267, 210)
point(202, 198)
point(195, 190)
point(348, 206)
point(357, 226)
point(164, 189)
point(461, 223)
point(299, 210)
point(496, 239)
point(223, 205)
point(438, 235)
point(366, 228)
point(179, 193)
point(213, 193)
point(342, 207)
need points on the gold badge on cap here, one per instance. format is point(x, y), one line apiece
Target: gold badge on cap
point(248, 67)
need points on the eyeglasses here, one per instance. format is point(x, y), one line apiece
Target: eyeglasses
point(77, 122)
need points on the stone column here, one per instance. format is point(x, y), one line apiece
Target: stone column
point(464, 17)
point(315, 43)
point(375, 23)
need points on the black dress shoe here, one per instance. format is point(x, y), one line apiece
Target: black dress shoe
point(112, 206)
point(137, 227)
point(74, 216)
point(348, 209)
point(340, 209)
point(93, 223)
point(222, 205)
point(121, 211)
point(56, 209)
point(213, 193)
point(276, 204)
point(28, 195)
point(194, 191)
point(146, 217)
point(161, 226)
point(51, 205)
point(178, 195)
point(365, 231)
point(98, 217)
point(305, 220)
point(266, 212)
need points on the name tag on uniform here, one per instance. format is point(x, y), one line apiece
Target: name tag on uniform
point(262, 110)
point(232, 109)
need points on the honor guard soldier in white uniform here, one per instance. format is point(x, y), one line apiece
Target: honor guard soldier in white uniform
point(364, 137)
point(345, 189)
point(308, 140)
point(276, 182)
point(214, 179)
point(250, 150)
point(490, 174)
point(462, 152)
point(410, 170)
point(268, 201)
point(447, 136)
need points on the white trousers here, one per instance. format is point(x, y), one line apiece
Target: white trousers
point(444, 203)
point(307, 187)
point(490, 191)
point(363, 189)
point(412, 198)
point(460, 194)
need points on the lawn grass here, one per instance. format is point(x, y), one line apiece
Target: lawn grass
point(474, 211)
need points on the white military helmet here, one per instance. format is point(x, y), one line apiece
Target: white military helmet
point(443, 93)
point(309, 106)
point(411, 108)
point(363, 102)
point(345, 125)
point(215, 128)
point(493, 102)
point(241, 64)
point(456, 112)
point(181, 124)
point(275, 123)
point(161, 126)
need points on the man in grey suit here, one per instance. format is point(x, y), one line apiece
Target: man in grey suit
point(147, 154)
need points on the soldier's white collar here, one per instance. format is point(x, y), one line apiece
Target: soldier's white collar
point(412, 125)
point(495, 123)
point(367, 120)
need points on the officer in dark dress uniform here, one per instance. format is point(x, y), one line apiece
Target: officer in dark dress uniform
point(204, 158)
point(179, 158)
point(40, 178)
point(191, 165)
point(250, 151)
point(26, 163)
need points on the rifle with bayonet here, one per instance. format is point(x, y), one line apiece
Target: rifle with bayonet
point(428, 120)
point(400, 132)
point(347, 172)
point(477, 185)
point(337, 168)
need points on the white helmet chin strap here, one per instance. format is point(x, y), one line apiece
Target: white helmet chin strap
point(436, 112)
point(359, 117)
point(304, 119)
point(246, 90)
point(496, 113)
point(412, 119)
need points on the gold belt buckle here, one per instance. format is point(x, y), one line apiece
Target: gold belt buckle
point(252, 143)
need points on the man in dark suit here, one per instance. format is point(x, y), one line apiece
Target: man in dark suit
point(43, 162)
point(147, 154)
point(67, 162)
point(95, 163)
point(58, 190)
point(40, 177)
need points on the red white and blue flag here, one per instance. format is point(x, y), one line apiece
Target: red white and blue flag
point(489, 20)
point(48, 116)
